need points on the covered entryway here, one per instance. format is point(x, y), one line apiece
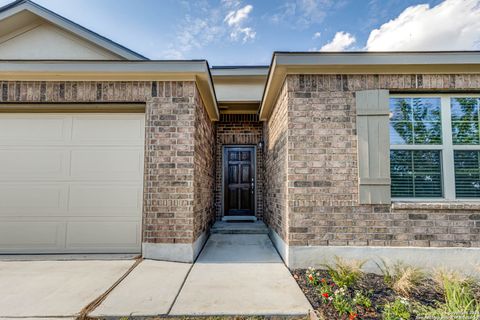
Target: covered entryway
point(71, 183)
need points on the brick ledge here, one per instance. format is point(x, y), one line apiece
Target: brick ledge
point(447, 205)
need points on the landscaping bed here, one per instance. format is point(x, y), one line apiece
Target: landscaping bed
point(343, 291)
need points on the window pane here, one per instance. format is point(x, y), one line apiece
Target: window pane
point(427, 132)
point(416, 173)
point(426, 109)
point(415, 121)
point(467, 174)
point(465, 120)
point(400, 109)
point(401, 132)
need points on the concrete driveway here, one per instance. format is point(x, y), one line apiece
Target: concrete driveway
point(54, 288)
point(48, 289)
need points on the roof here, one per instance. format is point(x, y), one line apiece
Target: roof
point(109, 45)
point(101, 70)
point(239, 71)
point(362, 62)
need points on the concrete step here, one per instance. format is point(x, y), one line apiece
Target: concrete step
point(223, 227)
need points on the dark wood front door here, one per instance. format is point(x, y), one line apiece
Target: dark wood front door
point(239, 181)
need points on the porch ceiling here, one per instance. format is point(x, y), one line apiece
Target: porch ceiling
point(239, 89)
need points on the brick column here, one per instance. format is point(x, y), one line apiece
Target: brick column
point(171, 216)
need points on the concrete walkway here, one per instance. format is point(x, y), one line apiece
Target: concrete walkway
point(236, 274)
point(239, 274)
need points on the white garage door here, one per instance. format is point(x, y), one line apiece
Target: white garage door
point(71, 183)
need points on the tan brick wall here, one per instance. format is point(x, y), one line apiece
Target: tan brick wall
point(239, 129)
point(276, 155)
point(204, 170)
point(176, 205)
point(322, 195)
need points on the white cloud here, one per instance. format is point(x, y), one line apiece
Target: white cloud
point(451, 25)
point(244, 33)
point(195, 33)
point(236, 17)
point(316, 35)
point(231, 3)
point(215, 23)
point(235, 20)
point(340, 42)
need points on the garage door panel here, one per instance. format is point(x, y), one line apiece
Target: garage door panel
point(33, 199)
point(32, 236)
point(107, 164)
point(105, 200)
point(100, 130)
point(35, 163)
point(71, 183)
point(101, 235)
point(27, 130)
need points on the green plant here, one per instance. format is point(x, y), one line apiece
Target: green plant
point(361, 299)
point(401, 278)
point(342, 303)
point(397, 310)
point(345, 274)
point(459, 298)
point(312, 276)
point(325, 290)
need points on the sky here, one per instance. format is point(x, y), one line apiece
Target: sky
point(246, 32)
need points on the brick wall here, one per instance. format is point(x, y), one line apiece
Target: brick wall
point(322, 195)
point(204, 170)
point(176, 208)
point(238, 129)
point(276, 155)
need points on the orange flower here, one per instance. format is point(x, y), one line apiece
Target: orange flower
point(310, 277)
point(323, 280)
point(325, 295)
point(352, 316)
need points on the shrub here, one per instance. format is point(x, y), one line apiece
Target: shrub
point(397, 310)
point(361, 299)
point(345, 274)
point(401, 278)
point(459, 298)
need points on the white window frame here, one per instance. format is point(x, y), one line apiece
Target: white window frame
point(446, 148)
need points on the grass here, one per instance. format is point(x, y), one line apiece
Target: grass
point(401, 278)
point(345, 273)
point(460, 300)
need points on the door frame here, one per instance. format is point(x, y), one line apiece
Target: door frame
point(224, 148)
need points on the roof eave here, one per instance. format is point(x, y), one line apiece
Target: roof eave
point(196, 70)
point(284, 63)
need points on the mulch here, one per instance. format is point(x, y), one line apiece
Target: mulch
point(425, 294)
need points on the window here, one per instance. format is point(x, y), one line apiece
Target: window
point(435, 147)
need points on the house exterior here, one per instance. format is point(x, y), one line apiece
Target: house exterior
point(356, 154)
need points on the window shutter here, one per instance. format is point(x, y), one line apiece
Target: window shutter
point(373, 146)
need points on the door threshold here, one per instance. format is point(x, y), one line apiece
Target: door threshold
point(239, 218)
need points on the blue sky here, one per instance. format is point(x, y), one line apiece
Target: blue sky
point(246, 32)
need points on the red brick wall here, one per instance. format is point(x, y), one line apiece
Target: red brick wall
point(238, 129)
